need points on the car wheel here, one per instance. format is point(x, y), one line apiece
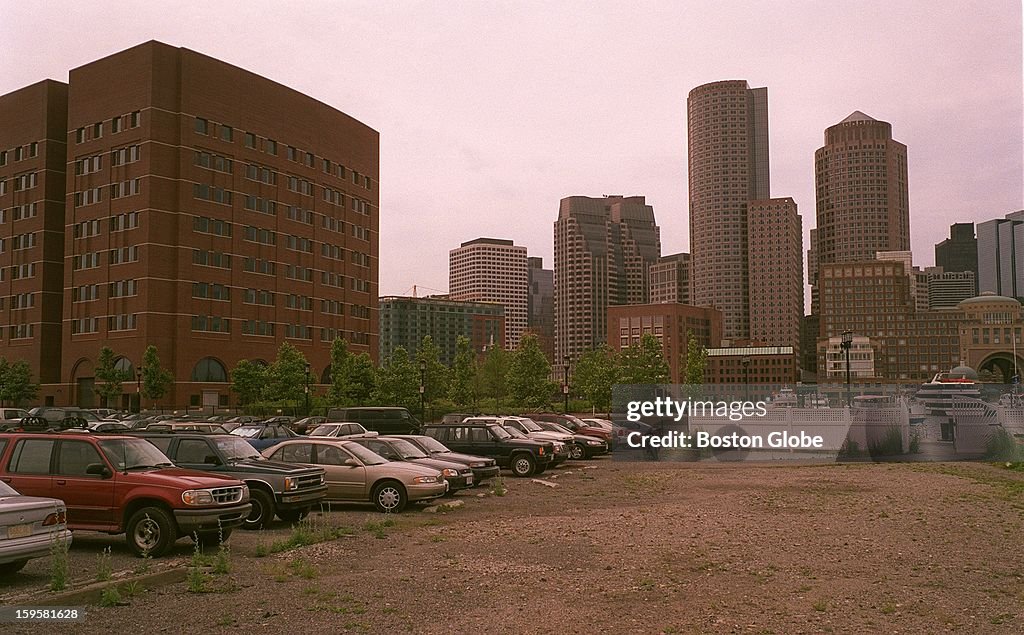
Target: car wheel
point(389, 497)
point(262, 509)
point(523, 465)
point(211, 538)
point(10, 568)
point(577, 452)
point(151, 532)
point(293, 515)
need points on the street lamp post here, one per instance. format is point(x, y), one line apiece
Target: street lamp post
point(746, 378)
point(307, 389)
point(423, 391)
point(138, 390)
point(846, 343)
point(565, 384)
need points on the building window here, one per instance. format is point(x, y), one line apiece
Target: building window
point(214, 226)
point(261, 205)
point(123, 322)
point(213, 161)
point(85, 325)
point(124, 188)
point(124, 288)
point(211, 259)
point(211, 324)
point(250, 140)
point(124, 254)
point(259, 296)
point(260, 235)
point(209, 369)
point(258, 327)
point(202, 126)
point(258, 265)
point(226, 133)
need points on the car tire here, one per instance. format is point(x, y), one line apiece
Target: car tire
point(10, 568)
point(522, 464)
point(577, 452)
point(151, 532)
point(211, 538)
point(390, 497)
point(293, 515)
point(262, 509)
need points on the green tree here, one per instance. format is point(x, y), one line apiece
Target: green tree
point(16, 383)
point(643, 363)
point(249, 380)
point(109, 378)
point(286, 377)
point(594, 376)
point(461, 389)
point(156, 380)
point(696, 361)
point(435, 376)
point(352, 376)
point(529, 374)
point(398, 382)
point(492, 375)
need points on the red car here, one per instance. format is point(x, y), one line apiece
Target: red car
point(576, 426)
point(121, 484)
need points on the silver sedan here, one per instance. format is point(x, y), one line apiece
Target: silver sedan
point(29, 528)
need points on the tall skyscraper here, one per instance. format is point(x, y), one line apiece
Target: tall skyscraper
point(727, 131)
point(33, 160)
point(603, 250)
point(670, 280)
point(959, 252)
point(1001, 255)
point(197, 223)
point(775, 256)
point(540, 306)
point(492, 270)
point(861, 185)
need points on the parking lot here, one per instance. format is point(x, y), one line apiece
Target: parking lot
point(625, 547)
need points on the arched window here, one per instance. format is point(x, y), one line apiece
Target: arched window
point(326, 377)
point(209, 369)
point(123, 363)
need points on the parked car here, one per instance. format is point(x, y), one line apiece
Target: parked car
point(579, 446)
point(29, 528)
point(456, 417)
point(459, 476)
point(484, 468)
point(356, 474)
point(284, 489)
point(576, 426)
point(303, 426)
point(340, 430)
point(186, 426)
point(524, 457)
point(262, 436)
point(115, 427)
point(11, 418)
point(381, 420)
point(560, 453)
point(604, 423)
point(123, 484)
point(280, 420)
point(56, 415)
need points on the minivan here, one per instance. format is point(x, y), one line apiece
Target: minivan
point(384, 420)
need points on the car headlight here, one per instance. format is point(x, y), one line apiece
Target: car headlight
point(425, 479)
point(197, 497)
point(290, 483)
point(477, 465)
point(449, 472)
point(593, 443)
point(540, 451)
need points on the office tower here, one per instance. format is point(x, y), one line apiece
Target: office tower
point(492, 270)
point(405, 321)
point(214, 214)
point(812, 271)
point(947, 289)
point(775, 257)
point(670, 279)
point(33, 160)
point(1001, 255)
point(861, 191)
point(540, 305)
point(603, 250)
point(959, 252)
point(727, 132)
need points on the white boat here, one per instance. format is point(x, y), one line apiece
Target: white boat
point(938, 394)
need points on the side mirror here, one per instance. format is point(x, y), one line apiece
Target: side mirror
point(98, 469)
point(350, 463)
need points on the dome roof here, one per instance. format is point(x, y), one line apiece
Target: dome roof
point(964, 371)
point(987, 297)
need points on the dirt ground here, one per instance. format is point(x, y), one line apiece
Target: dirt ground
point(631, 548)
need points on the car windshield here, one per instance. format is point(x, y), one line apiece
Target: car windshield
point(531, 425)
point(84, 414)
point(7, 490)
point(127, 454)
point(554, 427)
point(236, 449)
point(432, 445)
point(498, 432)
point(407, 450)
point(514, 432)
point(368, 457)
point(323, 431)
point(247, 432)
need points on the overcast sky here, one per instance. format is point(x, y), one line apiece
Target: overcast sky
point(490, 112)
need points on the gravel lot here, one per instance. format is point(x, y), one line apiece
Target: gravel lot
point(625, 548)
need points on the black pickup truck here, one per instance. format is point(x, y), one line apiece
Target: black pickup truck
point(525, 457)
point(285, 489)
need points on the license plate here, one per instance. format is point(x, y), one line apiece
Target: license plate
point(19, 531)
point(469, 480)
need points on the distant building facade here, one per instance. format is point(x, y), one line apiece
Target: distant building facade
point(604, 248)
point(946, 289)
point(775, 257)
point(1001, 255)
point(670, 279)
point(540, 306)
point(751, 365)
point(670, 323)
point(405, 321)
point(493, 270)
point(959, 252)
point(991, 336)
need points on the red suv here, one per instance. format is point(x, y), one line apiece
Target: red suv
point(120, 484)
